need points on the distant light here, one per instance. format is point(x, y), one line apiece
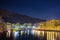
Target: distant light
point(34, 27)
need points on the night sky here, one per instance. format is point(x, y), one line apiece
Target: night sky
point(42, 9)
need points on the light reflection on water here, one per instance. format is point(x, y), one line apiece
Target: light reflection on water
point(24, 34)
point(34, 35)
point(32, 32)
point(16, 33)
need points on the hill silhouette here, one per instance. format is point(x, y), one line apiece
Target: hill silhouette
point(13, 17)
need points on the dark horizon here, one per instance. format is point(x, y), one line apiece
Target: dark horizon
point(42, 9)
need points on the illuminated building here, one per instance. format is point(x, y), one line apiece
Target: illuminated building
point(52, 25)
point(9, 25)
